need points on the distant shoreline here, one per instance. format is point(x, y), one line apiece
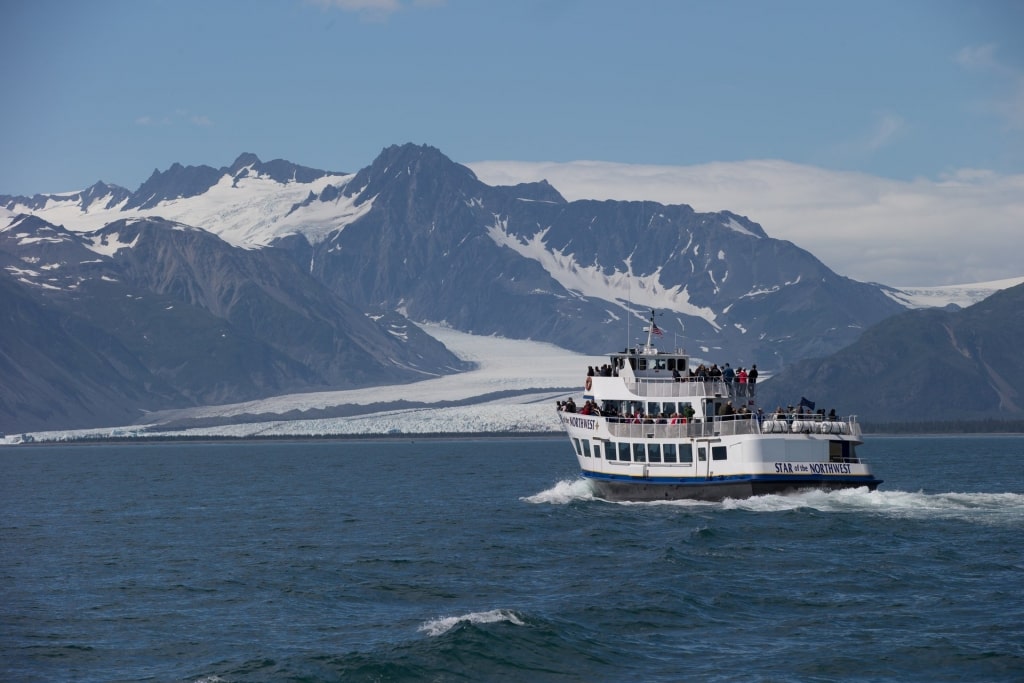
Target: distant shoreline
point(431, 436)
point(426, 436)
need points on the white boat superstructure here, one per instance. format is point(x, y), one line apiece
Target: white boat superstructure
point(653, 428)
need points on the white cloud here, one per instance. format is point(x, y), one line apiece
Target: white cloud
point(1009, 105)
point(373, 10)
point(179, 116)
point(961, 228)
point(977, 56)
point(887, 127)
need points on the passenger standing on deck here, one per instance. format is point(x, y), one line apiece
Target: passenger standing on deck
point(752, 379)
point(741, 380)
point(729, 376)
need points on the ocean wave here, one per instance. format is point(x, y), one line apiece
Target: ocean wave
point(993, 507)
point(565, 491)
point(437, 627)
point(983, 507)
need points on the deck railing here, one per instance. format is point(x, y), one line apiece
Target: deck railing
point(627, 429)
point(667, 388)
point(688, 388)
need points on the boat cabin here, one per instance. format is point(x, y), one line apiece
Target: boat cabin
point(646, 363)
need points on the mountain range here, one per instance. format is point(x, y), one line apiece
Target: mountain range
point(223, 285)
point(935, 364)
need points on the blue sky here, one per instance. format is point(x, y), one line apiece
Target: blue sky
point(902, 91)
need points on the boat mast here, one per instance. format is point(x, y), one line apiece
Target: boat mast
point(650, 332)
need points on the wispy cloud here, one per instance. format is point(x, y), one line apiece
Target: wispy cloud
point(374, 10)
point(882, 131)
point(887, 127)
point(977, 57)
point(952, 230)
point(1009, 104)
point(178, 117)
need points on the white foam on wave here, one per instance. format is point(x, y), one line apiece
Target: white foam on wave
point(437, 627)
point(994, 508)
point(565, 491)
point(978, 507)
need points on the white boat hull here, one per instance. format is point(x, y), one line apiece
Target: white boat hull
point(653, 428)
point(712, 462)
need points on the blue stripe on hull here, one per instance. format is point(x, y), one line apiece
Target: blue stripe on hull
point(622, 488)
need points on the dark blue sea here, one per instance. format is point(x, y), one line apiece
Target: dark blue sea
point(488, 560)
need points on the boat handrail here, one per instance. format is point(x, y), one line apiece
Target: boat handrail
point(628, 428)
point(665, 388)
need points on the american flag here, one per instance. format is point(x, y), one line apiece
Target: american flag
point(655, 329)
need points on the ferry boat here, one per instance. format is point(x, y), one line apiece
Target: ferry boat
point(653, 428)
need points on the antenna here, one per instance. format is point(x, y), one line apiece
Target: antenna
point(629, 303)
point(653, 329)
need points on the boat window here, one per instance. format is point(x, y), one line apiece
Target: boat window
point(686, 453)
point(609, 452)
point(657, 407)
point(841, 451)
point(653, 452)
point(835, 451)
point(624, 451)
point(669, 451)
point(597, 450)
point(576, 445)
point(702, 453)
point(638, 453)
point(586, 449)
point(659, 364)
point(677, 364)
point(719, 452)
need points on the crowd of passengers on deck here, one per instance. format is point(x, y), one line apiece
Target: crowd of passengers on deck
point(684, 415)
point(620, 411)
point(740, 382)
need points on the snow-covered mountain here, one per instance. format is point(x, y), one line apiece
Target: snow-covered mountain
point(418, 233)
point(950, 295)
point(512, 389)
point(313, 277)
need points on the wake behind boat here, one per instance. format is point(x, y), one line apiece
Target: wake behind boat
point(653, 428)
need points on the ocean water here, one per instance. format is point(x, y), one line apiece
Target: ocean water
point(489, 560)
